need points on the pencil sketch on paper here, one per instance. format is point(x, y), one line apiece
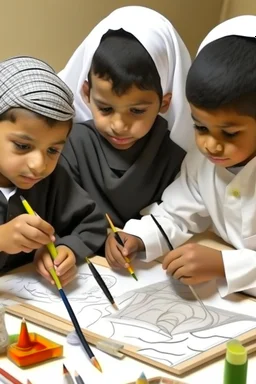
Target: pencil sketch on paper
point(170, 326)
point(31, 286)
point(163, 320)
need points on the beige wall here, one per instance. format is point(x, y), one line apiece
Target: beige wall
point(52, 29)
point(232, 8)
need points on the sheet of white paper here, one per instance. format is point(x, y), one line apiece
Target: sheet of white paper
point(157, 314)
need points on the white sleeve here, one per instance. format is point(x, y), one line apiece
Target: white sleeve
point(240, 271)
point(181, 213)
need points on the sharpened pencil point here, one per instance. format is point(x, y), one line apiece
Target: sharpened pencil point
point(134, 276)
point(65, 371)
point(96, 363)
point(29, 382)
point(115, 306)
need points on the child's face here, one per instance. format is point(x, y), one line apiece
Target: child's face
point(29, 149)
point(224, 137)
point(123, 120)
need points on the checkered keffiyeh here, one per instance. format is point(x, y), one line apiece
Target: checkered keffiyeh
point(26, 82)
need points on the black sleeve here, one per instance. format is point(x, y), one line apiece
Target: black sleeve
point(69, 161)
point(75, 216)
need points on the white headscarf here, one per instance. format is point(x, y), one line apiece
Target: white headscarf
point(167, 50)
point(240, 26)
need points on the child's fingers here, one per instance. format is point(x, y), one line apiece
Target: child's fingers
point(68, 276)
point(41, 269)
point(68, 263)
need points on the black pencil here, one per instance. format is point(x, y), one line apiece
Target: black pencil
point(101, 282)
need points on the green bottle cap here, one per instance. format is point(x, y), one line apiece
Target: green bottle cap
point(236, 354)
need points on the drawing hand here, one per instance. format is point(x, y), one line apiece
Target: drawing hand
point(24, 234)
point(64, 264)
point(194, 264)
point(115, 253)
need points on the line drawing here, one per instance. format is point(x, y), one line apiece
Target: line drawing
point(163, 320)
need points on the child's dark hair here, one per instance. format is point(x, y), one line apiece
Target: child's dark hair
point(122, 59)
point(223, 76)
point(12, 115)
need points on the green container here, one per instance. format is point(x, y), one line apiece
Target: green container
point(235, 371)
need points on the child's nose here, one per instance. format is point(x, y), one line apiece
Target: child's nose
point(119, 124)
point(213, 146)
point(37, 163)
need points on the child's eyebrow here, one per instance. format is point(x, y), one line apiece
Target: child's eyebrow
point(140, 102)
point(29, 138)
point(22, 136)
point(225, 124)
point(193, 117)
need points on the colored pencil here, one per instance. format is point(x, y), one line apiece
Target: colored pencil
point(119, 240)
point(10, 378)
point(53, 252)
point(78, 378)
point(67, 378)
point(171, 249)
point(142, 379)
point(101, 282)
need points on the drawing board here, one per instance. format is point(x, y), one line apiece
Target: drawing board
point(157, 316)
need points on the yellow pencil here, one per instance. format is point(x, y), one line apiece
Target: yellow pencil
point(53, 252)
point(51, 247)
point(142, 379)
point(119, 240)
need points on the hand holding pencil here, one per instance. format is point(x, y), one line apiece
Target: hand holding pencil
point(121, 248)
point(25, 233)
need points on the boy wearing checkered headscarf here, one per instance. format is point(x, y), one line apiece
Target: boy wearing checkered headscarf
point(36, 111)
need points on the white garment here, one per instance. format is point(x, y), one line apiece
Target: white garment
point(8, 192)
point(204, 195)
point(167, 50)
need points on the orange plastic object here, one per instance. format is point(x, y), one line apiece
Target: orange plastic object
point(32, 348)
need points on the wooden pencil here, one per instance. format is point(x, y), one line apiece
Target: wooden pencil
point(78, 378)
point(9, 377)
point(101, 283)
point(53, 252)
point(142, 379)
point(67, 378)
point(119, 240)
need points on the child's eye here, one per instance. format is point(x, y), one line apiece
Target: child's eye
point(53, 151)
point(138, 111)
point(200, 128)
point(21, 147)
point(230, 134)
point(106, 110)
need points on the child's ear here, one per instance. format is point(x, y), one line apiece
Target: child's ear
point(165, 103)
point(85, 93)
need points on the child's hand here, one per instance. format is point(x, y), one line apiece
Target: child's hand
point(115, 253)
point(24, 234)
point(194, 264)
point(64, 264)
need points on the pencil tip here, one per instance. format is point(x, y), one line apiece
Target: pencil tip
point(29, 382)
point(96, 363)
point(22, 198)
point(76, 374)
point(115, 306)
point(142, 376)
point(134, 276)
point(65, 371)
